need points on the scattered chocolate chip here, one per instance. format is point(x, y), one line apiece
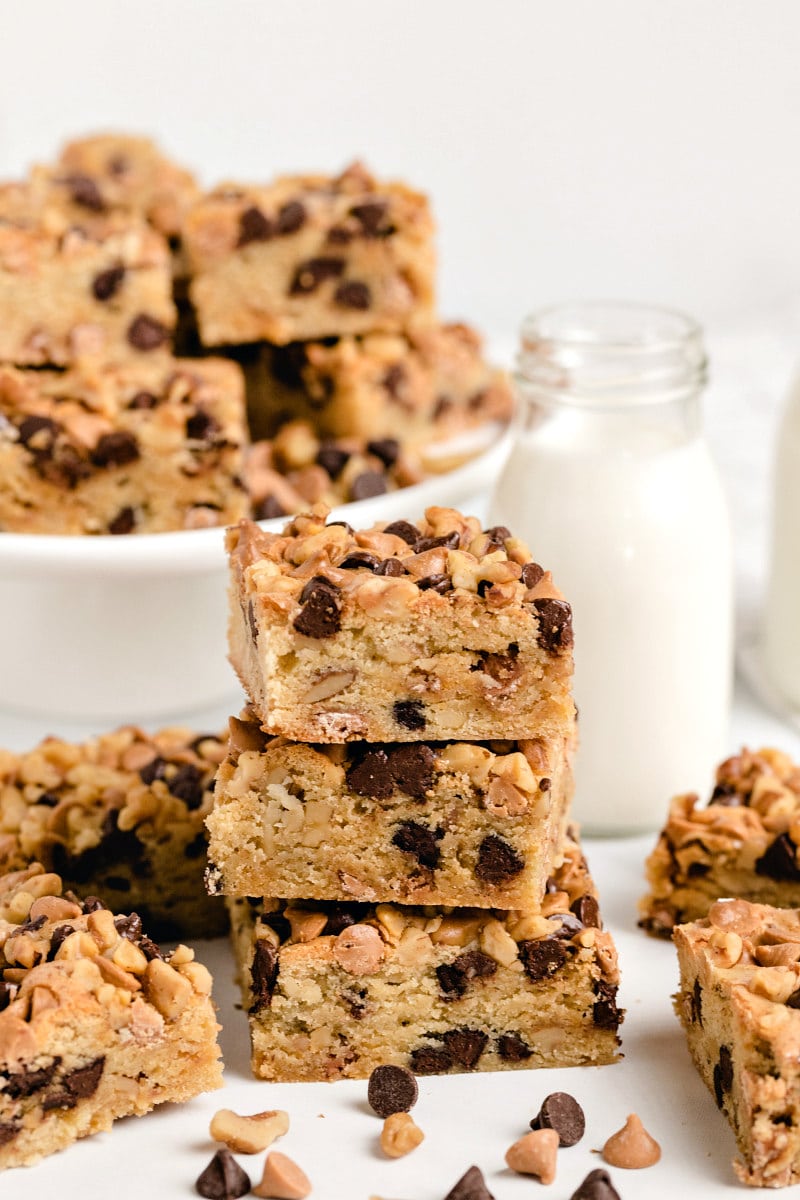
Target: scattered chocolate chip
point(115, 449)
point(792, 1002)
point(561, 1112)
point(450, 541)
point(409, 713)
point(353, 294)
point(497, 861)
point(332, 459)
point(542, 957)
point(367, 484)
point(107, 283)
point(129, 927)
point(386, 449)
point(291, 217)
point(310, 274)
point(254, 226)
point(187, 785)
point(371, 776)
point(511, 1048)
point(143, 400)
point(43, 429)
point(263, 974)
point(466, 1045)
point(435, 583)
point(342, 916)
point(411, 766)
point(726, 795)
point(359, 559)
point(279, 923)
point(394, 380)
point(596, 1186)
point(455, 977)
point(372, 219)
point(545, 784)
point(779, 861)
point(201, 426)
point(498, 534)
point(531, 574)
point(31, 926)
point(390, 566)
point(421, 841)
point(84, 191)
point(605, 1013)
point(267, 509)
point(223, 1178)
point(391, 1090)
point(471, 1186)
point(405, 530)
point(155, 769)
point(124, 522)
point(555, 625)
point(430, 1060)
point(146, 333)
point(320, 616)
point(587, 910)
point(570, 925)
point(723, 1075)
point(57, 936)
point(339, 236)
point(93, 904)
point(696, 870)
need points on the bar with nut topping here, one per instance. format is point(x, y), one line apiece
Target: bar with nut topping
point(743, 843)
point(96, 1021)
point(435, 630)
point(457, 823)
point(335, 989)
point(310, 256)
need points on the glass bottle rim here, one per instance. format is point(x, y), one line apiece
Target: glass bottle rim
point(610, 354)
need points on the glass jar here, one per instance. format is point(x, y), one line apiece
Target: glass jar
point(611, 484)
point(781, 637)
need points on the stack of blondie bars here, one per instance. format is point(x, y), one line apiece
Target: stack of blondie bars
point(390, 825)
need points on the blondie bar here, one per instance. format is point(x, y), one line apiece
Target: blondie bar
point(121, 817)
point(137, 448)
point(738, 1003)
point(309, 256)
point(333, 990)
point(76, 281)
point(743, 843)
point(413, 822)
point(96, 1022)
point(427, 384)
point(436, 630)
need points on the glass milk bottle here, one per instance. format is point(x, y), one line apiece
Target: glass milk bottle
point(782, 628)
point(611, 484)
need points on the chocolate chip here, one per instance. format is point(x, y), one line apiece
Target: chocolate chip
point(353, 294)
point(465, 1045)
point(455, 977)
point(124, 522)
point(187, 785)
point(511, 1048)
point(555, 625)
point(371, 776)
point(409, 713)
point(115, 449)
point(263, 974)
point(696, 1002)
point(498, 534)
point(390, 566)
point(779, 861)
point(8, 1131)
point(411, 766)
point(405, 530)
point(93, 904)
point(146, 333)
point(342, 916)
point(359, 559)
point(429, 1060)
point(605, 1013)
point(569, 927)
point(725, 795)
point(367, 484)
point(129, 927)
point(32, 926)
point(339, 236)
point(143, 400)
point(320, 616)
point(310, 274)
point(596, 1186)
point(421, 841)
point(542, 957)
point(9, 990)
point(497, 861)
point(395, 379)
point(155, 769)
point(46, 429)
point(531, 574)
point(697, 870)
point(471, 1186)
point(84, 191)
point(391, 1090)
point(435, 583)
point(254, 226)
point(78, 1084)
point(372, 219)
point(27, 1083)
point(723, 1075)
point(107, 283)
point(792, 1002)
point(268, 509)
point(386, 449)
point(545, 784)
point(332, 459)
point(279, 923)
point(201, 426)
point(561, 1112)
point(587, 910)
point(450, 541)
point(223, 1178)
point(291, 217)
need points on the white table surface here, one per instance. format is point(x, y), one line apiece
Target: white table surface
point(473, 1119)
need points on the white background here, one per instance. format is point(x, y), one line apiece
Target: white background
point(635, 148)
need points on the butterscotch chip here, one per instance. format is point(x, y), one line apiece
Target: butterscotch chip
point(359, 950)
point(400, 1135)
point(535, 1154)
point(248, 1134)
point(632, 1146)
point(282, 1179)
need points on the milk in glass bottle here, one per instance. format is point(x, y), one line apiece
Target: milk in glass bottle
point(782, 627)
point(611, 484)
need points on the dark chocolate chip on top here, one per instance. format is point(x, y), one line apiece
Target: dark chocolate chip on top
point(471, 1186)
point(391, 1089)
point(405, 530)
point(561, 1112)
point(320, 616)
point(223, 1178)
point(254, 226)
point(146, 333)
point(555, 625)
